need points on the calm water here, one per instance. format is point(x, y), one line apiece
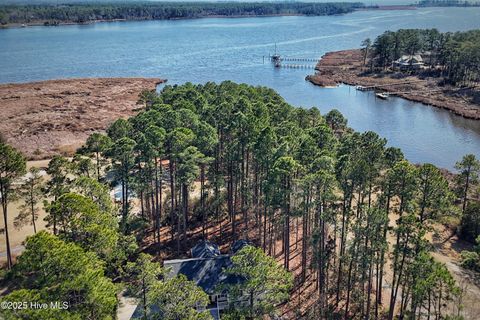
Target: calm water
point(232, 49)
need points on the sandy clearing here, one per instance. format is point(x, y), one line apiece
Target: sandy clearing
point(18, 235)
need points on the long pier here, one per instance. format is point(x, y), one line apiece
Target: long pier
point(277, 61)
point(299, 59)
point(296, 66)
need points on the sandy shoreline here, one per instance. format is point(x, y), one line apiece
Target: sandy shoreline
point(45, 118)
point(347, 67)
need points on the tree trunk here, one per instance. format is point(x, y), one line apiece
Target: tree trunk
point(349, 278)
point(347, 204)
point(202, 201)
point(230, 200)
point(5, 220)
point(304, 238)
point(157, 203)
point(124, 216)
point(185, 209)
point(144, 298)
point(465, 192)
point(98, 165)
point(396, 281)
point(172, 196)
point(32, 208)
point(287, 225)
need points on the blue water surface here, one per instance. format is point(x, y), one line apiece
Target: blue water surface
point(233, 49)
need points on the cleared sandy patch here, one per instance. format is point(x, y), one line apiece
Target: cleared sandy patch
point(18, 235)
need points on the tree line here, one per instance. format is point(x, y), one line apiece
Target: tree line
point(241, 158)
point(86, 12)
point(448, 3)
point(455, 56)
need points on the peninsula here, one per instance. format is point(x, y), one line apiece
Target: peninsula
point(421, 76)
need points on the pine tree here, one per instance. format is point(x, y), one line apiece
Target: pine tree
point(59, 184)
point(31, 192)
point(98, 144)
point(266, 283)
point(469, 169)
point(12, 166)
point(143, 274)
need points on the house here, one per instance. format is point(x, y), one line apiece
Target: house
point(409, 62)
point(207, 268)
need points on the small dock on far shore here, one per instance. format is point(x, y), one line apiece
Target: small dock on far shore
point(374, 87)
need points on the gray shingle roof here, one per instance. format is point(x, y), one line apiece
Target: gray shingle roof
point(205, 249)
point(207, 273)
point(239, 244)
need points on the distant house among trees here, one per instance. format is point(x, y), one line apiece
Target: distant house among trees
point(409, 62)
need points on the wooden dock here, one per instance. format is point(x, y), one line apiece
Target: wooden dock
point(300, 59)
point(296, 66)
point(278, 62)
point(373, 87)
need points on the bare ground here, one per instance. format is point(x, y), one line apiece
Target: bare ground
point(447, 250)
point(52, 117)
point(347, 67)
point(18, 235)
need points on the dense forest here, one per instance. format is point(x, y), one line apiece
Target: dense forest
point(341, 211)
point(448, 3)
point(454, 56)
point(81, 13)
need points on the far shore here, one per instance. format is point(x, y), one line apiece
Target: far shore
point(66, 23)
point(70, 23)
point(346, 67)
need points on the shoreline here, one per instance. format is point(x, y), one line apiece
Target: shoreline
point(42, 23)
point(45, 23)
point(346, 67)
point(71, 23)
point(389, 7)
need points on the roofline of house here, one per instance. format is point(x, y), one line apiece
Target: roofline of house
point(195, 259)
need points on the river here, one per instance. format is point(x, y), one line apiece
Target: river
point(233, 48)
